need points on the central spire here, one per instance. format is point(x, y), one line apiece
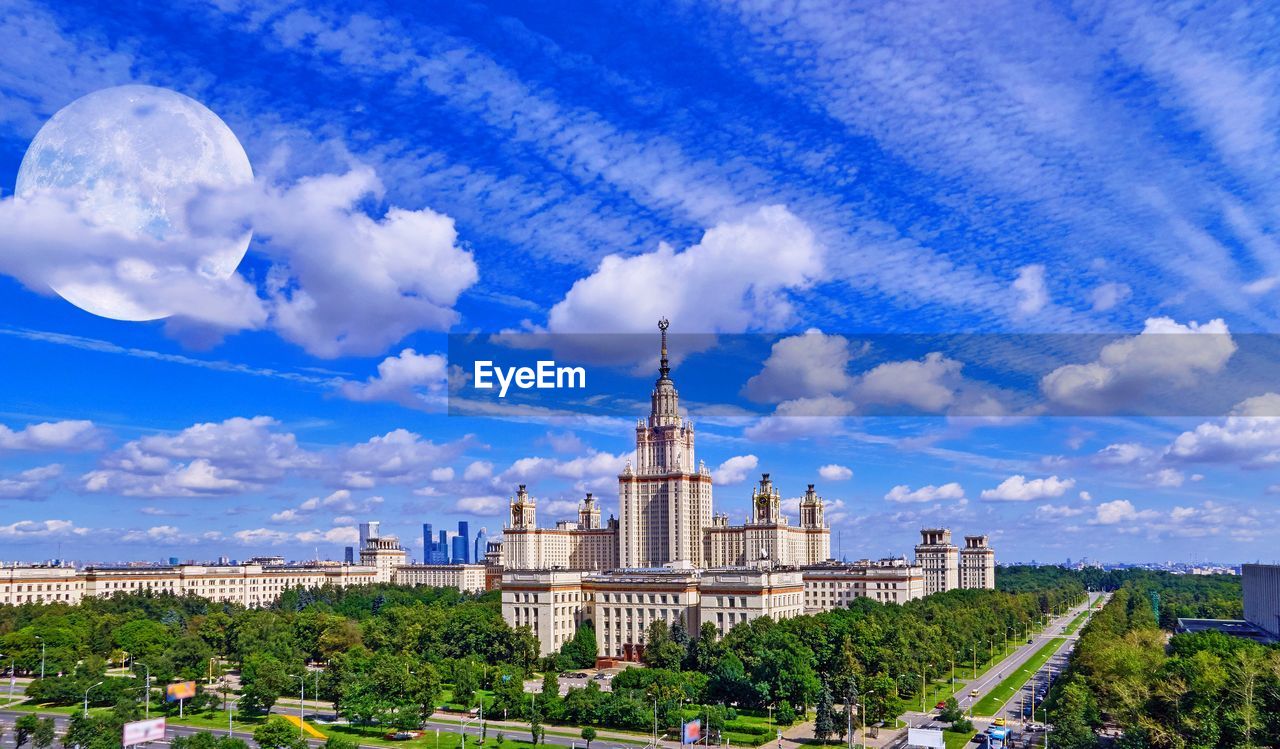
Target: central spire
point(664, 369)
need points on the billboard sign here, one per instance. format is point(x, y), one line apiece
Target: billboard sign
point(692, 732)
point(141, 731)
point(182, 690)
point(925, 737)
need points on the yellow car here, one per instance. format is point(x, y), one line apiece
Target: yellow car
point(998, 722)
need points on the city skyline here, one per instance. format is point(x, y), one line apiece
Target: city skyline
point(474, 171)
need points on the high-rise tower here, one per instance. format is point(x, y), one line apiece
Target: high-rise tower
point(665, 501)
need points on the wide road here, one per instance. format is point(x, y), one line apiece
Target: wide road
point(7, 717)
point(990, 679)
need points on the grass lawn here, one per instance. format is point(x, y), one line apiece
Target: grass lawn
point(956, 739)
point(1007, 688)
point(1075, 623)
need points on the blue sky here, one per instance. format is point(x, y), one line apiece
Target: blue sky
point(807, 172)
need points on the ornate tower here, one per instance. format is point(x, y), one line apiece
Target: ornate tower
point(766, 505)
point(588, 513)
point(665, 500)
point(811, 510)
point(524, 511)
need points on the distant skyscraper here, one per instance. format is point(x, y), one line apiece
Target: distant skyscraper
point(480, 547)
point(367, 531)
point(349, 555)
point(426, 543)
point(464, 533)
point(173, 560)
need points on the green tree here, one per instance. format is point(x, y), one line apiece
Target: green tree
point(660, 650)
point(43, 735)
point(278, 733)
point(466, 680)
point(824, 720)
point(23, 728)
point(588, 735)
point(263, 679)
point(579, 652)
point(951, 712)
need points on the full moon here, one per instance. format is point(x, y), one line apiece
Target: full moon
point(132, 157)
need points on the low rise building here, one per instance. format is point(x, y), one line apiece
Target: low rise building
point(468, 578)
point(835, 585)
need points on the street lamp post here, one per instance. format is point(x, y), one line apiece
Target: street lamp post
point(86, 698)
point(147, 701)
point(302, 701)
point(42, 644)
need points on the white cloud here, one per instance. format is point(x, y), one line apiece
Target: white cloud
point(411, 379)
point(482, 505)
point(929, 384)
point(398, 456)
point(1033, 295)
point(204, 459)
point(1108, 295)
point(835, 472)
point(261, 537)
point(33, 483)
point(1249, 435)
point(154, 534)
point(1167, 477)
point(802, 366)
point(593, 465)
point(339, 535)
point(52, 435)
point(736, 278)
point(1018, 489)
point(1123, 453)
point(442, 474)
point(930, 493)
point(1053, 512)
point(38, 529)
point(1261, 286)
point(1164, 353)
point(734, 470)
point(1120, 511)
point(477, 470)
point(1086, 496)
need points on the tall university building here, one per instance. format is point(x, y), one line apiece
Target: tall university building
point(668, 558)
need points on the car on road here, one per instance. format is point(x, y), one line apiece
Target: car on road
point(942, 705)
point(973, 693)
point(1000, 721)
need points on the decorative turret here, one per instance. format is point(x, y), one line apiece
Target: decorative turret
point(765, 502)
point(589, 513)
point(524, 511)
point(812, 510)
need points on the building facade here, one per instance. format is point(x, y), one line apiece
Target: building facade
point(1261, 584)
point(835, 585)
point(977, 563)
point(940, 560)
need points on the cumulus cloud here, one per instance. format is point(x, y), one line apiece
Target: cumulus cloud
point(1165, 353)
point(51, 436)
point(1249, 435)
point(1055, 512)
point(738, 277)
point(835, 472)
point(593, 465)
point(41, 529)
point(406, 267)
point(734, 470)
point(1018, 489)
point(442, 474)
point(33, 483)
point(1123, 454)
point(1120, 511)
point(1167, 478)
point(931, 493)
point(482, 505)
point(1033, 295)
point(929, 384)
point(399, 456)
point(411, 379)
point(478, 470)
point(802, 366)
point(204, 459)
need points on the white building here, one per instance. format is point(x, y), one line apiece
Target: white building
point(468, 578)
point(1261, 584)
point(835, 585)
point(977, 563)
point(940, 560)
